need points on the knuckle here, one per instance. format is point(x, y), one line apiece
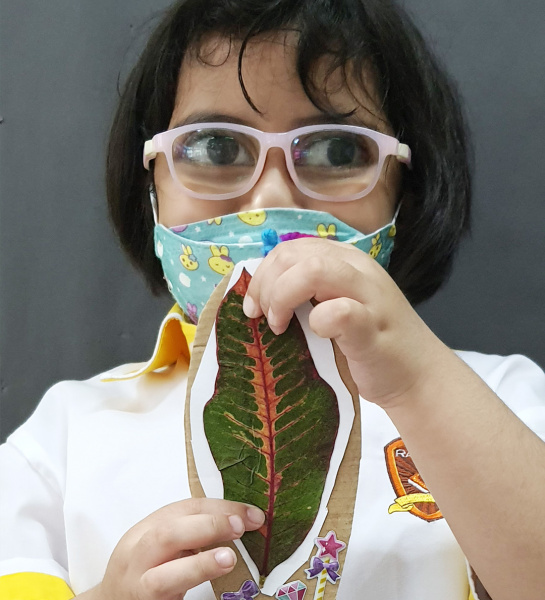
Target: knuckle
point(342, 311)
point(159, 537)
point(216, 522)
point(193, 506)
point(221, 527)
point(144, 544)
point(280, 256)
point(152, 585)
point(315, 267)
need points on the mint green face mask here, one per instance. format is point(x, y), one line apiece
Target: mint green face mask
point(196, 256)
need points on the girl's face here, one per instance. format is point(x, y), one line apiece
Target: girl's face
point(212, 92)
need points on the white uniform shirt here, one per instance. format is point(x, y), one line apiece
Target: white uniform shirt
point(98, 456)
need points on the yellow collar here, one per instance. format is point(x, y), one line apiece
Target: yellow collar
point(175, 340)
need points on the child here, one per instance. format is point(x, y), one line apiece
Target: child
point(94, 488)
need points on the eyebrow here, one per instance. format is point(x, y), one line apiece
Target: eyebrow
point(206, 117)
point(318, 119)
point(333, 119)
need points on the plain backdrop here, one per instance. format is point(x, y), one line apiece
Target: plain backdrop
point(71, 306)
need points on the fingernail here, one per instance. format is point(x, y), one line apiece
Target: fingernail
point(273, 322)
point(255, 515)
point(250, 308)
point(237, 524)
point(225, 558)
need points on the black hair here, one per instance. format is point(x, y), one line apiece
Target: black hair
point(415, 94)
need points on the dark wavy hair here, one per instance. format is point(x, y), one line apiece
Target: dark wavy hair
point(416, 95)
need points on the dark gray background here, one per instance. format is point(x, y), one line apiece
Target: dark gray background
point(71, 306)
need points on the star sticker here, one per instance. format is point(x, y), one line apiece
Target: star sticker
point(197, 229)
point(329, 545)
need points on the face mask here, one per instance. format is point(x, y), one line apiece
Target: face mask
point(195, 257)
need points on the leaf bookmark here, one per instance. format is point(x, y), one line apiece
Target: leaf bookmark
point(271, 425)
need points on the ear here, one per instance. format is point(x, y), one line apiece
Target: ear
point(215, 250)
point(224, 251)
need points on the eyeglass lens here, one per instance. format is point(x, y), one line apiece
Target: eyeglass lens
point(330, 162)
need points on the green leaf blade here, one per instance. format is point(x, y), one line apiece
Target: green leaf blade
point(271, 425)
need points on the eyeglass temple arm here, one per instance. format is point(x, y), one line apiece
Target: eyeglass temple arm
point(149, 153)
point(403, 154)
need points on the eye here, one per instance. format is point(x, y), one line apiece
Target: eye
point(334, 149)
point(209, 147)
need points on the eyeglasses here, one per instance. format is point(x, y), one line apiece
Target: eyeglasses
point(218, 161)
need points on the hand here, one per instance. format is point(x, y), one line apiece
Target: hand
point(160, 558)
point(387, 345)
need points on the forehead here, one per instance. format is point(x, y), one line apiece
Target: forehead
point(209, 83)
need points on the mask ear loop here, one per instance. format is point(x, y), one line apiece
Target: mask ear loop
point(153, 201)
point(397, 212)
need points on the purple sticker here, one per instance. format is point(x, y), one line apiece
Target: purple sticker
point(248, 591)
point(318, 566)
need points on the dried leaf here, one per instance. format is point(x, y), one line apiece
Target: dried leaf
point(271, 425)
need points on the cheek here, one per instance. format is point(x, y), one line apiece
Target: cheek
point(378, 208)
point(367, 214)
point(175, 207)
point(374, 210)
point(363, 216)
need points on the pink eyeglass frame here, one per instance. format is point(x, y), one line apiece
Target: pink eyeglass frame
point(387, 145)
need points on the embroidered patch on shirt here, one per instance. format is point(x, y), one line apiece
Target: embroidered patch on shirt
point(412, 494)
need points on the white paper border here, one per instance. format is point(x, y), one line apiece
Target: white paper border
point(202, 390)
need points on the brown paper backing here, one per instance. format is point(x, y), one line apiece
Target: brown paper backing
point(341, 502)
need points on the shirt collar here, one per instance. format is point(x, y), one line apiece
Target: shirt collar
point(174, 341)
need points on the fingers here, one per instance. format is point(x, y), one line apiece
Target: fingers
point(160, 558)
point(251, 515)
point(170, 539)
point(174, 578)
point(304, 269)
point(347, 321)
point(192, 524)
point(359, 306)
